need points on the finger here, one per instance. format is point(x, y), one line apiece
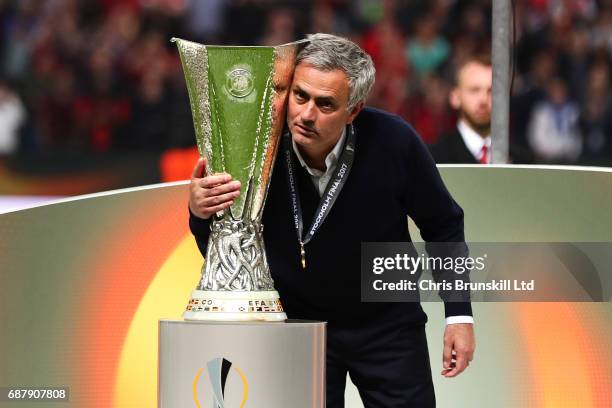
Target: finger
point(199, 170)
point(447, 355)
point(450, 373)
point(460, 365)
point(214, 180)
point(455, 371)
point(449, 369)
point(217, 208)
point(234, 186)
point(220, 199)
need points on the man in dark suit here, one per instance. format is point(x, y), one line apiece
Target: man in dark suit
point(470, 142)
point(388, 176)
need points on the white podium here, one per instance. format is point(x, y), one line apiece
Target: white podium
point(239, 364)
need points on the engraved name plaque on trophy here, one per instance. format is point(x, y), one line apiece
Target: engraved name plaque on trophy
point(238, 98)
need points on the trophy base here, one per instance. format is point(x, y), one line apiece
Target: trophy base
point(235, 306)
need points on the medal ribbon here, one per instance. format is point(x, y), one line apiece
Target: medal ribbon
point(332, 190)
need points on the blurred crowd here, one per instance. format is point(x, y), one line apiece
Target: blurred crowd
point(102, 76)
point(561, 106)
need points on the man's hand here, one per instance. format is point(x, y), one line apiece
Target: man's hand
point(459, 345)
point(210, 194)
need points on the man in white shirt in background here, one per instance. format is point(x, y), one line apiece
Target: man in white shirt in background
point(470, 143)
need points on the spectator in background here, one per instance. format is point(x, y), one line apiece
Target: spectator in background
point(330, 17)
point(553, 129)
point(20, 34)
point(574, 64)
point(382, 41)
point(243, 21)
point(596, 117)
point(470, 142)
point(205, 19)
point(428, 49)
point(531, 89)
point(12, 117)
point(104, 107)
point(429, 111)
point(57, 122)
point(151, 122)
point(280, 27)
point(601, 34)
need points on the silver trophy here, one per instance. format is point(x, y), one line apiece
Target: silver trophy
point(238, 97)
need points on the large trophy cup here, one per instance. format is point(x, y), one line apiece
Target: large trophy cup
point(238, 98)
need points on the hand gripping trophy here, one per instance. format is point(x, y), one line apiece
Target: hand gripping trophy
point(238, 98)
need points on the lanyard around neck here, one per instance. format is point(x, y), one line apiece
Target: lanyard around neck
point(332, 190)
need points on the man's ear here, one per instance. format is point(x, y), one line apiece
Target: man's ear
point(355, 112)
point(453, 99)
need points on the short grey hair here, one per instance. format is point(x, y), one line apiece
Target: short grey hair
point(329, 52)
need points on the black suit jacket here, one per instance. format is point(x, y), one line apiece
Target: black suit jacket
point(452, 149)
point(393, 175)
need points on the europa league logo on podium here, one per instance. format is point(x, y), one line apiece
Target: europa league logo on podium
point(238, 98)
point(219, 370)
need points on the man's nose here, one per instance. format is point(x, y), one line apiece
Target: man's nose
point(484, 99)
point(309, 114)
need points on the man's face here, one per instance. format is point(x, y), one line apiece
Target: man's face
point(472, 95)
point(317, 109)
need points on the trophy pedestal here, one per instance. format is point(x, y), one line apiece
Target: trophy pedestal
point(241, 364)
